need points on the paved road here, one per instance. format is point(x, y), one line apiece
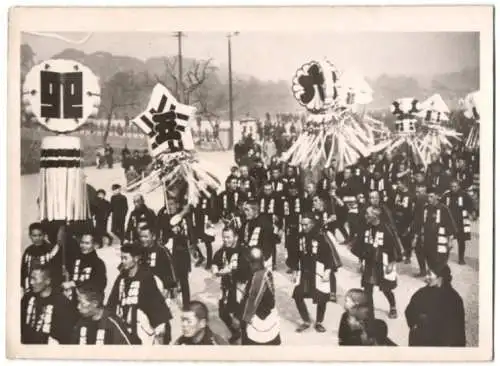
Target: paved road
point(206, 288)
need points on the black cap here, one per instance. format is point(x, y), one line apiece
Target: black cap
point(115, 186)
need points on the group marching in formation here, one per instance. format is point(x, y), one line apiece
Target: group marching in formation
point(384, 209)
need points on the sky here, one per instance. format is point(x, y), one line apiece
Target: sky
point(277, 56)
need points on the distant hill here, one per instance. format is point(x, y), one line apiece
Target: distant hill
point(255, 97)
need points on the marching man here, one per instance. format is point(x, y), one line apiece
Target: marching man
point(462, 210)
point(260, 320)
point(312, 273)
point(258, 232)
point(97, 326)
point(137, 300)
point(86, 267)
point(434, 228)
point(230, 266)
point(47, 316)
point(377, 247)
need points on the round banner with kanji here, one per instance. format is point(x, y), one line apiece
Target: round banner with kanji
point(314, 86)
point(61, 94)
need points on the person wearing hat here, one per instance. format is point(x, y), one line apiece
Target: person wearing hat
point(260, 323)
point(119, 210)
point(434, 227)
point(435, 314)
point(377, 247)
point(136, 299)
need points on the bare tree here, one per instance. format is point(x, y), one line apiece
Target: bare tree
point(197, 74)
point(121, 91)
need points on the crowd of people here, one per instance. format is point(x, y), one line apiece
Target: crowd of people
point(385, 209)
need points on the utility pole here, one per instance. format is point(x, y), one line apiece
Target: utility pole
point(180, 85)
point(231, 118)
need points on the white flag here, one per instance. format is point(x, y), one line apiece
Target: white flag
point(166, 122)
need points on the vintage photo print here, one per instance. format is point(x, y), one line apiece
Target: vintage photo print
point(314, 182)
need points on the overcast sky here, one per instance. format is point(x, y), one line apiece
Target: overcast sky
point(275, 56)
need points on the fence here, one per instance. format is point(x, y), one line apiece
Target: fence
point(92, 136)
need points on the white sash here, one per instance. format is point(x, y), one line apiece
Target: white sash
point(264, 330)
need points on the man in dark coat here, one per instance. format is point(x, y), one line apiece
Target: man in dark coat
point(136, 299)
point(312, 273)
point(159, 261)
point(260, 321)
point(97, 326)
point(119, 210)
point(86, 267)
point(41, 252)
point(376, 246)
point(47, 317)
point(258, 232)
point(435, 314)
point(101, 212)
point(195, 328)
point(463, 211)
point(434, 227)
point(108, 153)
point(230, 266)
point(140, 214)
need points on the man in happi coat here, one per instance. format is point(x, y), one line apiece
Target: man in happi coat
point(136, 299)
point(312, 273)
point(258, 231)
point(231, 266)
point(376, 246)
point(293, 208)
point(195, 327)
point(436, 314)
point(141, 213)
point(47, 317)
point(203, 214)
point(277, 183)
point(337, 211)
point(270, 205)
point(463, 211)
point(377, 182)
point(85, 267)
point(247, 181)
point(227, 201)
point(96, 325)
point(179, 244)
point(260, 320)
point(433, 228)
point(348, 191)
point(40, 252)
point(403, 209)
point(159, 261)
point(324, 219)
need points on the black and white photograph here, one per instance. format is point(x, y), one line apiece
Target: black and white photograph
point(308, 188)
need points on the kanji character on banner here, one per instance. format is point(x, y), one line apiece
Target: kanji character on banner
point(61, 94)
point(166, 122)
